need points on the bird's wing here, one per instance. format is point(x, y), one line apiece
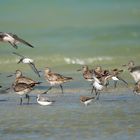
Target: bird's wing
point(2, 34)
point(32, 65)
point(59, 76)
point(21, 40)
point(25, 80)
point(122, 80)
point(85, 98)
point(21, 59)
point(53, 76)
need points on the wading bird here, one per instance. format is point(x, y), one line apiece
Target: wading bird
point(44, 100)
point(22, 89)
point(55, 79)
point(86, 100)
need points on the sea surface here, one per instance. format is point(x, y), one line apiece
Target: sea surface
point(68, 34)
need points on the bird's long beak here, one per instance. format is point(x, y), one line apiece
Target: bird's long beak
point(124, 65)
point(79, 70)
point(11, 75)
point(45, 92)
point(7, 88)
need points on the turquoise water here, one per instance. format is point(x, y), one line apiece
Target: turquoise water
point(73, 29)
point(67, 34)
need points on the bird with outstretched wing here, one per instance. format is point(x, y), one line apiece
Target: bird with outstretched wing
point(26, 60)
point(13, 39)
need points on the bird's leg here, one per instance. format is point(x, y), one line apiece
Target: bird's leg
point(96, 92)
point(123, 81)
point(106, 84)
point(92, 89)
point(61, 88)
point(49, 89)
point(28, 97)
point(115, 84)
point(97, 95)
point(20, 100)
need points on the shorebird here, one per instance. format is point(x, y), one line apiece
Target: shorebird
point(137, 88)
point(23, 85)
point(98, 71)
point(13, 39)
point(87, 73)
point(134, 70)
point(86, 100)
point(115, 77)
point(26, 60)
point(95, 76)
point(55, 79)
point(22, 89)
point(22, 79)
point(99, 84)
point(44, 100)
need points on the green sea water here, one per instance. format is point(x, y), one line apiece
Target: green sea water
point(62, 31)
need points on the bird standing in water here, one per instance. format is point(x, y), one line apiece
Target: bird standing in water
point(22, 89)
point(44, 100)
point(87, 73)
point(86, 100)
point(55, 79)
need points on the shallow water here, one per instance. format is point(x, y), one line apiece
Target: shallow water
point(114, 116)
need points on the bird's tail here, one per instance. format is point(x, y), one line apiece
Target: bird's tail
point(38, 83)
point(68, 79)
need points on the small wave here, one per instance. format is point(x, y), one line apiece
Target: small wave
point(8, 61)
point(61, 59)
point(86, 60)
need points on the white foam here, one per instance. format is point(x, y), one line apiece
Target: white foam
point(8, 61)
point(84, 61)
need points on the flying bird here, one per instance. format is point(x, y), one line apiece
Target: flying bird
point(13, 39)
point(26, 60)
